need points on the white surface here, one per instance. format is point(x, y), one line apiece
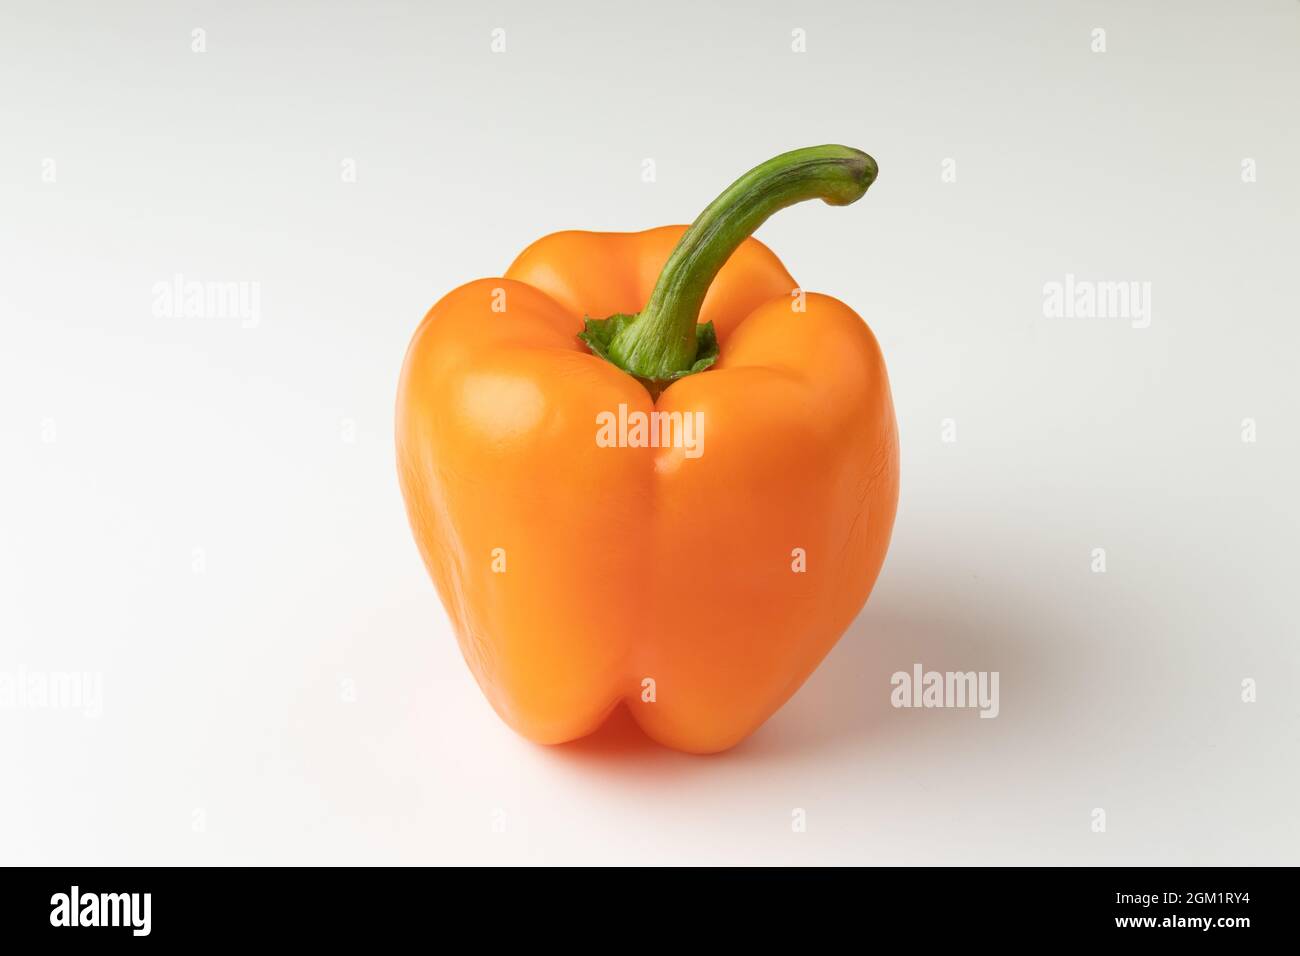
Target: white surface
point(225, 733)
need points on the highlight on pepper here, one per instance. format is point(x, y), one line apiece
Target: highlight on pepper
point(591, 549)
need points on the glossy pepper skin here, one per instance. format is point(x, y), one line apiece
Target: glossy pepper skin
point(575, 574)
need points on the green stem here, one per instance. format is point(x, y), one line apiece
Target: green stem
point(661, 342)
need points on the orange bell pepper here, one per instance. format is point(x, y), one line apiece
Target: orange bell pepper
point(677, 506)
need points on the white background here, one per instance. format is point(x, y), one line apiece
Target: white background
point(137, 448)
